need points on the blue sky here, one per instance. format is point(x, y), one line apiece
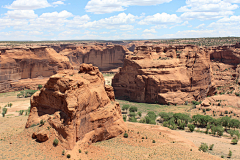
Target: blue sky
point(117, 19)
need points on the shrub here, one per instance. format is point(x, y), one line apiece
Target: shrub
point(86, 152)
point(231, 132)
point(125, 135)
point(203, 147)
point(63, 152)
point(132, 114)
point(230, 153)
point(55, 142)
point(33, 125)
point(39, 86)
point(133, 119)
point(140, 114)
point(68, 156)
point(211, 147)
point(153, 141)
point(125, 107)
point(204, 110)
point(196, 102)
point(234, 141)
point(42, 122)
point(21, 112)
point(208, 109)
point(182, 126)
point(124, 118)
point(222, 156)
point(226, 112)
point(220, 130)
point(191, 127)
point(79, 151)
point(133, 109)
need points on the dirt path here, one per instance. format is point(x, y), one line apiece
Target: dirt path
point(221, 145)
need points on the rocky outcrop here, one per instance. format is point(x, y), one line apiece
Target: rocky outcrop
point(106, 57)
point(22, 63)
point(172, 74)
point(77, 107)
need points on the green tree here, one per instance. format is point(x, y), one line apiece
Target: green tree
point(234, 123)
point(191, 127)
point(125, 107)
point(133, 109)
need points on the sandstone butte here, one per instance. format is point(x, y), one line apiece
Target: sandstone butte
point(78, 106)
point(30, 62)
point(174, 74)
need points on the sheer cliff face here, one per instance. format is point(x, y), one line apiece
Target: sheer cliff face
point(105, 57)
point(165, 75)
point(22, 63)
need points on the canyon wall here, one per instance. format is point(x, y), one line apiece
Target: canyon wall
point(172, 74)
point(106, 57)
point(22, 63)
point(43, 61)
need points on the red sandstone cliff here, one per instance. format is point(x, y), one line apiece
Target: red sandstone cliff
point(165, 75)
point(22, 63)
point(106, 57)
point(78, 107)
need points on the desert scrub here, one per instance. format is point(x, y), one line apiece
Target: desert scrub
point(234, 141)
point(79, 151)
point(63, 152)
point(124, 118)
point(68, 156)
point(203, 147)
point(153, 141)
point(55, 142)
point(211, 147)
point(230, 154)
point(86, 152)
point(191, 127)
point(125, 135)
point(42, 122)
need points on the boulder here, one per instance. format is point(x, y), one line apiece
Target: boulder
point(41, 136)
point(78, 107)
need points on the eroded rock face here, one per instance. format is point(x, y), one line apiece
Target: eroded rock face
point(165, 75)
point(23, 63)
point(106, 57)
point(77, 107)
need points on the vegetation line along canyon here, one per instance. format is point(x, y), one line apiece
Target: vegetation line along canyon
point(145, 99)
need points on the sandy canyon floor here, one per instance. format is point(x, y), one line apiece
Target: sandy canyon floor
point(16, 141)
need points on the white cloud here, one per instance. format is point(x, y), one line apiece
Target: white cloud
point(111, 22)
point(200, 26)
point(35, 33)
point(6, 22)
point(62, 14)
point(28, 4)
point(126, 27)
point(150, 31)
point(58, 2)
point(207, 9)
point(161, 19)
point(198, 34)
point(109, 6)
point(21, 14)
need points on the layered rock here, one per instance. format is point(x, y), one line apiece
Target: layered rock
point(22, 63)
point(172, 74)
point(106, 57)
point(78, 107)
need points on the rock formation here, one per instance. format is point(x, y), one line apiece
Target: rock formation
point(77, 106)
point(22, 63)
point(172, 74)
point(44, 61)
point(106, 57)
